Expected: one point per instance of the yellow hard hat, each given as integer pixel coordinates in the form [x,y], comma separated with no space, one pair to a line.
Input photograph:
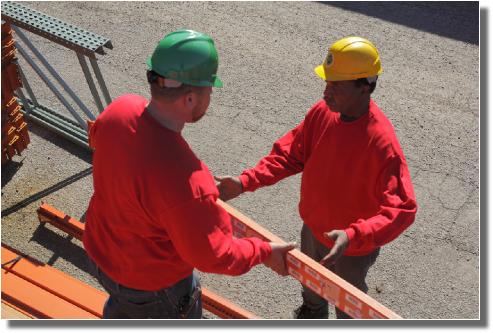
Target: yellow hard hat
[350,58]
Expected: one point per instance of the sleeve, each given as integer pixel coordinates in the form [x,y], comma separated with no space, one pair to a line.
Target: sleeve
[285,159]
[398,207]
[201,233]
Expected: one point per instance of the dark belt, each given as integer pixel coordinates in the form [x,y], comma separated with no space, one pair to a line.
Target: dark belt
[185,303]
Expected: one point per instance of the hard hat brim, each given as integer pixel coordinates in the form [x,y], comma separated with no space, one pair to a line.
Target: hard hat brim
[319,70]
[217,83]
[149,63]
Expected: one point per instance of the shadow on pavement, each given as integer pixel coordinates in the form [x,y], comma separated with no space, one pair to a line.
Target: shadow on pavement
[62,247]
[61,142]
[456,20]
[9,170]
[45,192]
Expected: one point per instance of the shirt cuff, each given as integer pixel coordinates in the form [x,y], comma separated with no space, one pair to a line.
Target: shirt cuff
[351,234]
[265,251]
[245,182]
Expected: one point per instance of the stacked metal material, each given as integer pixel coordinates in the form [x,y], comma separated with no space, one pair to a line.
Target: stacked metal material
[15,136]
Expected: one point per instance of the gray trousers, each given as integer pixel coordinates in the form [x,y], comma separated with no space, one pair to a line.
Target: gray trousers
[353,269]
[173,302]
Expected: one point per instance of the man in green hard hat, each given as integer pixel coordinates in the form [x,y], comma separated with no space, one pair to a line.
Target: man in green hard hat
[153,217]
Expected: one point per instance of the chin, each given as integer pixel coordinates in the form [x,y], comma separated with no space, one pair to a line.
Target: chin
[195,119]
[331,106]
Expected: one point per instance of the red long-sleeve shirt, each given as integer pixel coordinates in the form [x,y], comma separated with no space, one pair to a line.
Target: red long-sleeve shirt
[153,216]
[355,177]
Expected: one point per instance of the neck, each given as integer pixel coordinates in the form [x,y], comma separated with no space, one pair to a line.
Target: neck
[356,112]
[166,115]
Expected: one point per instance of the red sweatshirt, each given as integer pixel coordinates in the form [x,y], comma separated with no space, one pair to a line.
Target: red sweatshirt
[153,216]
[355,177]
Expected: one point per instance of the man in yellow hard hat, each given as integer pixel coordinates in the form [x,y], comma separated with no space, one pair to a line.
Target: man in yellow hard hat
[356,191]
[153,217]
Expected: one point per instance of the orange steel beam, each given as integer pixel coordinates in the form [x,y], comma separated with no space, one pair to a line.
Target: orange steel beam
[48,214]
[310,273]
[37,301]
[224,308]
[212,302]
[10,311]
[61,288]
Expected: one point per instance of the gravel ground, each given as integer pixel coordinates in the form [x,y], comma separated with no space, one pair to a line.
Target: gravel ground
[267,50]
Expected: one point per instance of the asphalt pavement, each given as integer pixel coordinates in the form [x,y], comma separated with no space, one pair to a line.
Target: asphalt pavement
[267,51]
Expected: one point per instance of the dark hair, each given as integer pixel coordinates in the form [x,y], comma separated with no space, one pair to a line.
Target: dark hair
[167,92]
[364,81]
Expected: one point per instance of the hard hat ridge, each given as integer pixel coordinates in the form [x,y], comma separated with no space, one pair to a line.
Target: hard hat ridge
[350,58]
[186,56]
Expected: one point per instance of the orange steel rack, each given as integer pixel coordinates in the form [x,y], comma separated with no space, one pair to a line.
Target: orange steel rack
[310,273]
[41,291]
[15,136]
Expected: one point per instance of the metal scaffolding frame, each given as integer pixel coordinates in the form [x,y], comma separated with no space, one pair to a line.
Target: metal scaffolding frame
[85,44]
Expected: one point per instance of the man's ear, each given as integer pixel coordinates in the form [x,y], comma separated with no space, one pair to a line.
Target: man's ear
[190,99]
[160,82]
[366,89]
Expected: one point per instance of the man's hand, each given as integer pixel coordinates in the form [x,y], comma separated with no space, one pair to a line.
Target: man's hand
[341,242]
[229,187]
[277,259]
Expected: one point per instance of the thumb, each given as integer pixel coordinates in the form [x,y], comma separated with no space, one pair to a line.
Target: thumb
[331,235]
[289,246]
[219,178]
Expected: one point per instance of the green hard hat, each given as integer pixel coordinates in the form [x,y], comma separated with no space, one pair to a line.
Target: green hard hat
[186,56]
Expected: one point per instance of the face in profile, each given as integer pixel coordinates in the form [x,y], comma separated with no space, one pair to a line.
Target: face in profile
[341,96]
[203,101]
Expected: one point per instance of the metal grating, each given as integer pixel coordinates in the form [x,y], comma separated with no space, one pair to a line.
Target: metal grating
[70,36]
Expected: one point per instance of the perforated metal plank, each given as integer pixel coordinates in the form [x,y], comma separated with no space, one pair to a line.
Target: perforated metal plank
[68,35]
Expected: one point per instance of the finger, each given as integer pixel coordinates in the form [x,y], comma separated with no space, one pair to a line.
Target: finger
[219,178]
[330,258]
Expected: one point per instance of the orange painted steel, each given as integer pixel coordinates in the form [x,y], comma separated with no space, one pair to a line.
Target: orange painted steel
[224,308]
[32,288]
[310,273]
[48,214]
[90,124]
[88,300]
[37,301]
[212,302]
[325,283]
[10,311]
[13,142]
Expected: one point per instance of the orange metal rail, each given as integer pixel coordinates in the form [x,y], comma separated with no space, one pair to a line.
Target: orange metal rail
[11,312]
[212,302]
[41,291]
[310,273]
[313,275]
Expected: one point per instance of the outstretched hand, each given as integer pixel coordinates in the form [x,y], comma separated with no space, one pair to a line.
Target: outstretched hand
[229,187]
[341,242]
